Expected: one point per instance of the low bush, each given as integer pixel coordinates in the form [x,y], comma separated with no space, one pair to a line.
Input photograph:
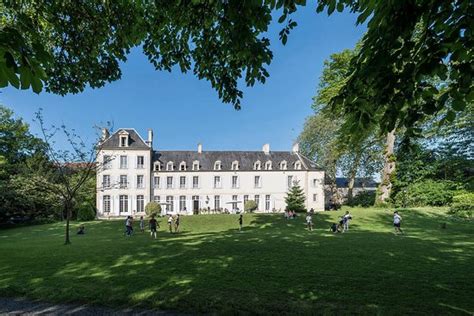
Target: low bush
[462,205]
[363,198]
[426,193]
[153,208]
[85,212]
[250,206]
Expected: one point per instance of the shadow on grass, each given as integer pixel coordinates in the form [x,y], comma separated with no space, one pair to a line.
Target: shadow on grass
[274,266]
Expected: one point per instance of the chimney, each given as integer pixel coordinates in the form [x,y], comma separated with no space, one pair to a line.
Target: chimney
[266,149]
[199,148]
[149,141]
[296,148]
[105,133]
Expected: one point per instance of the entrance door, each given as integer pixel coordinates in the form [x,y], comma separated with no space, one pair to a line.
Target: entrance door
[196,206]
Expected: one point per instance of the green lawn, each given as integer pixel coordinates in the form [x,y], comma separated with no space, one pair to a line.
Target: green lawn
[274,266]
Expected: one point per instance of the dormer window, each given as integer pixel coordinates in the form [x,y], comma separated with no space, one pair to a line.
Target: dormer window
[298,165]
[235,165]
[123,139]
[268,165]
[218,165]
[196,165]
[157,166]
[257,165]
[283,165]
[182,166]
[169,166]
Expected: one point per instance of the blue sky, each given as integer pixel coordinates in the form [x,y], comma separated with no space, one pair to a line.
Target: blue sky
[184,111]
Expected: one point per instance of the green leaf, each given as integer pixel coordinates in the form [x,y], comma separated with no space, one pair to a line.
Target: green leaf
[340,7]
[36,84]
[282,18]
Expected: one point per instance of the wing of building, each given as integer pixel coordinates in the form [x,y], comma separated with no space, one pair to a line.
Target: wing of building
[131,174]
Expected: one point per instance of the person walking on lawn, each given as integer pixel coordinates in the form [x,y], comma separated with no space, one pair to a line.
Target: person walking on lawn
[397,219]
[153,225]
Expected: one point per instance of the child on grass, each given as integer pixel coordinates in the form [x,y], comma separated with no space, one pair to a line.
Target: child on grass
[397,219]
[153,224]
[142,224]
[241,222]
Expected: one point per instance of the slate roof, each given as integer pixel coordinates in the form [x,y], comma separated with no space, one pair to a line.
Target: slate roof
[358,183]
[246,159]
[135,141]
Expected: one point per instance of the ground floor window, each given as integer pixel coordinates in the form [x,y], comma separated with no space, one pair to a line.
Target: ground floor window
[140,203]
[267,202]
[182,203]
[106,204]
[217,202]
[257,201]
[123,205]
[169,203]
[234,202]
[246,198]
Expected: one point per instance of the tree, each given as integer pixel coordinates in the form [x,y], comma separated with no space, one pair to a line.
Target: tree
[71,168]
[250,206]
[152,208]
[295,199]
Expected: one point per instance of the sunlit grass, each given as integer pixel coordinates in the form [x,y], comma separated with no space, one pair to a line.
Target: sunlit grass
[274,266]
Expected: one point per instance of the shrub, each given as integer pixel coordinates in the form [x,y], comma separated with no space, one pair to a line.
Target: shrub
[250,206]
[426,193]
[153,208]
[462,205]
[85,212]
[363,198]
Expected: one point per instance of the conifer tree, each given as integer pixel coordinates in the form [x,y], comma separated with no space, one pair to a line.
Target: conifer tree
[295,198]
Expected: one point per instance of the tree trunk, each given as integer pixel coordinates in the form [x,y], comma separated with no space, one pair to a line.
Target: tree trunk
[389,168]
[352,176]
[68,216]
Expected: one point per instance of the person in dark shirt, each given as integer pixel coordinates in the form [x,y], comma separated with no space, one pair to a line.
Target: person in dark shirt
[176,224]
[81,230]
[241,222]
[153,224]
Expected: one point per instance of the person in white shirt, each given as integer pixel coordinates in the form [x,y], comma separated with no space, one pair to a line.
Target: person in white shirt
[345,220]
[309,222]
[397,219]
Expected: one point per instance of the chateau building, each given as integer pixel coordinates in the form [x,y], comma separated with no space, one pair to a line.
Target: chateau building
[131,174]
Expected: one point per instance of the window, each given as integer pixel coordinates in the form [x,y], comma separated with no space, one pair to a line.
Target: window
[235,165]
[140,162]
[157,199]
[217,182]
[123,182]
[196,165]
[156,182]
[169,166]
[157,166]
[106,181]
[283,165]
[268,165]
[106,204]
[298,165]
[315,183]
[257,200]
[235,182]
[140,183]
[182,182]
[315,197]
[234,202]
[195,182]
[123,203]
[169,203]
[140,203]
[217,202]
[267,202]
[182,203]
[257,182]
[182,166]
[107,162]
[218,165]
[290,181]
[123,141]
[169,182]
[257,165]
[123,162]
[246,198]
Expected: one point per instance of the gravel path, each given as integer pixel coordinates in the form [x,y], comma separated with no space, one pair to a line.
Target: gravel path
[22,306]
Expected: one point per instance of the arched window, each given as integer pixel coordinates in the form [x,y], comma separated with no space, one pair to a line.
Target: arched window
[235,165]
[298,165]
[283,165]
[182,166]
[157,166]
[217,165]
[268,165]
[257,165]
[169,166]
[196,165]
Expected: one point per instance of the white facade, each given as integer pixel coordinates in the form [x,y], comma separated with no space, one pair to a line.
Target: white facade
[197,181]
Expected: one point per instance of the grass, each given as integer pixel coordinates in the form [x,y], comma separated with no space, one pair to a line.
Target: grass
[274,266]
